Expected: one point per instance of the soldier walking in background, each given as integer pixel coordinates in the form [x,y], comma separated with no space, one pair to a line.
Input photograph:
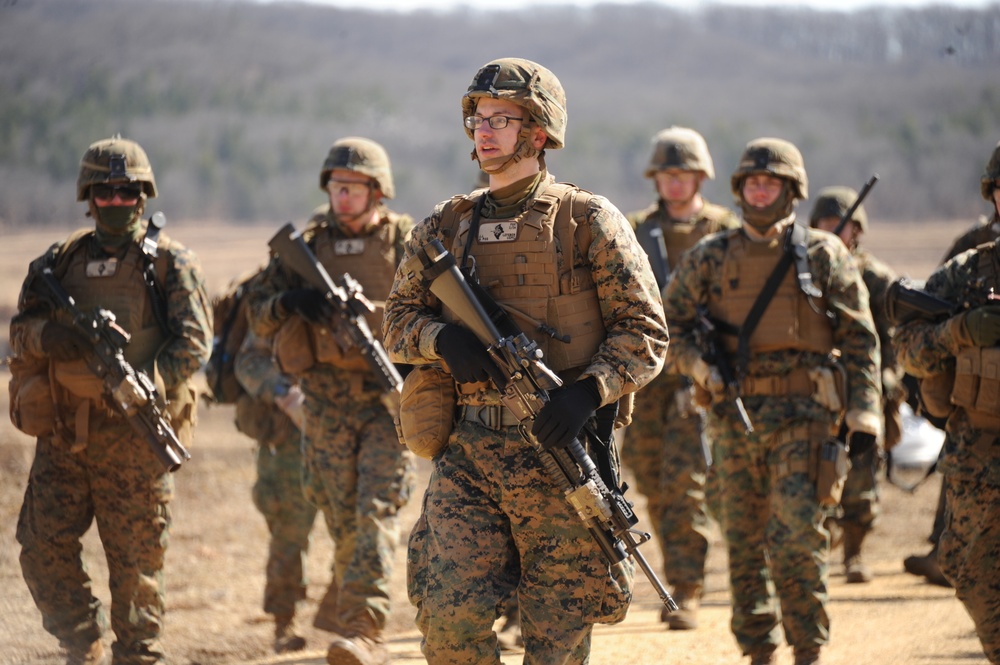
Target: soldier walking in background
[810,364]
[272,413]
[860,501]
[356,471]
[967,345]
[90,464]
[665,448]
[493,521]
[987,229]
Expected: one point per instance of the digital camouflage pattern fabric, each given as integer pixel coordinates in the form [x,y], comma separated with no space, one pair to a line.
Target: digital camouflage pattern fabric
[968,548]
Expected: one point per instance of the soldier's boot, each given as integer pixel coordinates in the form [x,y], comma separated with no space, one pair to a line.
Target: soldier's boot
[86,654]
[857,571]
[926,566]
[286,637]
[326,613]
[808,656]
[361,644]
[763,655]
[685,617]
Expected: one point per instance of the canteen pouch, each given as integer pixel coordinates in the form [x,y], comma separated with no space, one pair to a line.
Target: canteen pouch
[426,410]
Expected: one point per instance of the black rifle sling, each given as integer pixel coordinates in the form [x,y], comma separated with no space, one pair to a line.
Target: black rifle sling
[795,250]
[150,253]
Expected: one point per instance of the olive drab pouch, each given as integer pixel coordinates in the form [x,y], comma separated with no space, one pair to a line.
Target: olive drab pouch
[426,410]
[830,466]
[32,408]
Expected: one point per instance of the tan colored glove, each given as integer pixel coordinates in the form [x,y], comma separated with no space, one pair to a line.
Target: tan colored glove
[864,429]
[708,377]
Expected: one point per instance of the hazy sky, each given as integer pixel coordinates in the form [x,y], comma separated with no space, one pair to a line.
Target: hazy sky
[405,5]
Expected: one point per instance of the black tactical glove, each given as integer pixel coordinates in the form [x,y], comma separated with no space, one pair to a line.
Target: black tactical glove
[859,443]
[466,356]
[983,325]
[63,343]
[310,304]
[565,414]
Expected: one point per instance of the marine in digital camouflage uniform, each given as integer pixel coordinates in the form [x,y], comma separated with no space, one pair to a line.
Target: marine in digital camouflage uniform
[492,520]
[664,446]
[771,511]
[356,471]
[93,465]
[271,412]
[985,230]
[860,501]
[968,551]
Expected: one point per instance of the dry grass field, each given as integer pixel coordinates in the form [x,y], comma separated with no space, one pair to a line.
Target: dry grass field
[218,544]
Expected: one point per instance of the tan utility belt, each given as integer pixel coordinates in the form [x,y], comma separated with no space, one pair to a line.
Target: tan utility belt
[490,416]
[796,382]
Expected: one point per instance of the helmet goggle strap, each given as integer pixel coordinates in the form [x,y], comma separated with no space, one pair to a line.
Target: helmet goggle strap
[523,150]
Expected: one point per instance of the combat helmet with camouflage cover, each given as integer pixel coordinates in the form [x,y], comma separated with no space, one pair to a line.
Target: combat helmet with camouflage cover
[991,174]
[362,156]
[680,148]
[772,156]
[114,160]
[835,202]
[527,84]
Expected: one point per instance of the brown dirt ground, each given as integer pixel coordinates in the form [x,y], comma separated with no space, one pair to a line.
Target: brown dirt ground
[217,552]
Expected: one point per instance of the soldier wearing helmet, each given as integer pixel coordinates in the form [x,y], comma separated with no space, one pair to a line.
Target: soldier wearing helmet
[356,471]
[665,447]
[90,464]
[781,311]
[860,502]
[493,523]
[963,350]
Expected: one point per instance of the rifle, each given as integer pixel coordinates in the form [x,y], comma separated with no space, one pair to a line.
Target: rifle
[905,301]
[708,338]
[846,217]
[129,392]
[348,300]
[650,237]
[597,499]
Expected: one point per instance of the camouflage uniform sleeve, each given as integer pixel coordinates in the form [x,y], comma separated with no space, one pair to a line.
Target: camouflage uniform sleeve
[877,277]
[264,313]
[256,369]
[33,312]
[924,348]
[854,330]
[632,353]
[189,317]
[412,318]
[690,286]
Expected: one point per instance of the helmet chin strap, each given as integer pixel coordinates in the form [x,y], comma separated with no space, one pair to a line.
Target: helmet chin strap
[523,150]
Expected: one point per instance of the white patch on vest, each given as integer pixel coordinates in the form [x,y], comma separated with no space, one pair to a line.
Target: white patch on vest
[105,268]
[349,247]
[498,232]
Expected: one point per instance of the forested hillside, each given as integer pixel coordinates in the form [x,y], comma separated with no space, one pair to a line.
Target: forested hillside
[238,102]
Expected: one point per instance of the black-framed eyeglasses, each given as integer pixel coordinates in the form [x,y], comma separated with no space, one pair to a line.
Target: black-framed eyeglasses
[349,187]
[127,191]
[474,122]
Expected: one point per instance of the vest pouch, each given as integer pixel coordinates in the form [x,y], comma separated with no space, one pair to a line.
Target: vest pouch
[253,418]
[32,410]
[577,316]
[935,393]
[968,367]
[328,350]
[988,398]
[76,377]
[293,347]
[831,467]
[426,410]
